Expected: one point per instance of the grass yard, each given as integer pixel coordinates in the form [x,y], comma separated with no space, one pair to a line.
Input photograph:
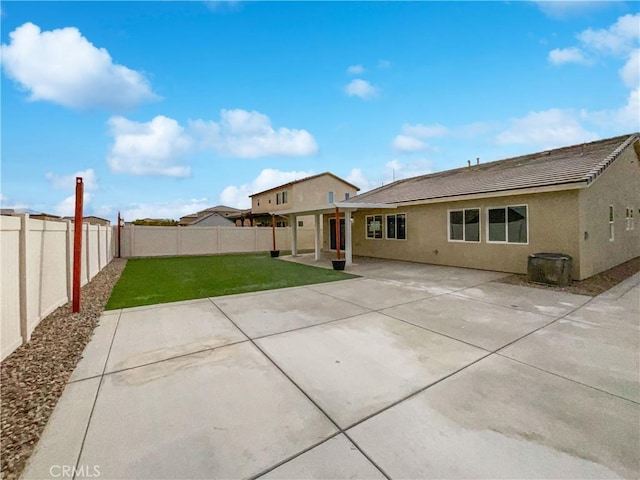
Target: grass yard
[146,281]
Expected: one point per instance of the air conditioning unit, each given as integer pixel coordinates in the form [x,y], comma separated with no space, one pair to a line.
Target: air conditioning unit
[550,269]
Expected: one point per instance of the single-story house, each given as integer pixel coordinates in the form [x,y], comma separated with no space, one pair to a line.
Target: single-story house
[582,200]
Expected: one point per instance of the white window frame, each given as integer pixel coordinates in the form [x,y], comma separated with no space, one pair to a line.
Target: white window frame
[386,224]
[629,219]
[330,197]
[506,224]
[278,198]
[464,240]
[611,212]
[366,228]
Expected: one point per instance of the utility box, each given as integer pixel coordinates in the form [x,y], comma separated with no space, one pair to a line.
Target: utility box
[550,269]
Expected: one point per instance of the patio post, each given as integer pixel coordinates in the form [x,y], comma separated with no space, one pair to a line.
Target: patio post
[337,233]
[318,220]
[347,237]
[273,231]
[294,235]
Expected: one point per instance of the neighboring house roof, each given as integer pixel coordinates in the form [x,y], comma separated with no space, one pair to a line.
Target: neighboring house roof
[567,166]
[222,210]
[213,219]
[306,179]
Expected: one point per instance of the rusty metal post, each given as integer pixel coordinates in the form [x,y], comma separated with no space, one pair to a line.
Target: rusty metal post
[338,232]
[77,245]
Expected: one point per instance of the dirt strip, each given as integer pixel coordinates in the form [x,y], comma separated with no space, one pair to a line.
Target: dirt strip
[33,377]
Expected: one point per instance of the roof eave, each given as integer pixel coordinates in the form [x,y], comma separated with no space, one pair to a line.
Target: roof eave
[500,193]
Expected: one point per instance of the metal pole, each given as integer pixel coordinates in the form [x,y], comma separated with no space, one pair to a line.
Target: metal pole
[77,245]
[338,232]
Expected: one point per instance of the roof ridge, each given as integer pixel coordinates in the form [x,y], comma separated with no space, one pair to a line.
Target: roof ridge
[592,174]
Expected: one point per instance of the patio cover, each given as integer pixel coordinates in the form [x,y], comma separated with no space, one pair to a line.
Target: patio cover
[327,209]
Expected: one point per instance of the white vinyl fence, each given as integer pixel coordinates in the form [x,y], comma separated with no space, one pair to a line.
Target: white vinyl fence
[36,271]
[143,241]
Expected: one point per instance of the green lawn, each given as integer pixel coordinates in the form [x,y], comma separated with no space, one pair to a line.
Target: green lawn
[146,281]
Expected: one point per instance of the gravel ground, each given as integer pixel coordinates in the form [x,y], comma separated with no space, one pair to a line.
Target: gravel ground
[34,376]
[592,286]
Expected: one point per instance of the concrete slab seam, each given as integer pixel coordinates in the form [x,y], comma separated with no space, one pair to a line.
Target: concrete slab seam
[95,398]
[543,326]
[434,331]
[313,402]
[173,357]
[567,378]
[413,394]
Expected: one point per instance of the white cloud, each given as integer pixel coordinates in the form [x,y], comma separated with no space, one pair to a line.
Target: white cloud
[67,207]
[68,182]
[618,39]
[546,129]
[161,146]
[238,195]
[357,177]
[410,140]
[384,64]
[244,134]
[408,144]
[630,72]
[355,70]
[397,170]
[625,118]
[63,67]
[560,56]
[157,147]
[6,202]
[361,88]
[172,209]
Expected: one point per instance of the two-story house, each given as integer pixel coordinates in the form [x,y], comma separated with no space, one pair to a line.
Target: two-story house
[322,189]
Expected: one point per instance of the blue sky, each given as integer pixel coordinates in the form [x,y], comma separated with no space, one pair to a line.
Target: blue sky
[169,108]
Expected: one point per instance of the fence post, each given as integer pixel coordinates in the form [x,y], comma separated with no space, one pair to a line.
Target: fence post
[99,258]
[87,231]
[69,264]
[24,293]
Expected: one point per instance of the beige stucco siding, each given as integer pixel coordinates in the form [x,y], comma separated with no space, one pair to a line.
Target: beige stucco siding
[308,193]
[618,185]
[552,223]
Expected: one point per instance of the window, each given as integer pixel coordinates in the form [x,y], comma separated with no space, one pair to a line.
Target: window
[285,197]
[281,198]
[611,229]
[300,223]
[397,226]
[346,196]
[374,226]
[629,219]
[464,225]
[330,197]
[508,224]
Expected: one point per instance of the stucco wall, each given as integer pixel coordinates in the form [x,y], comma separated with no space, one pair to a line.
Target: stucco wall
[618,185]
[552,222]
[308,193]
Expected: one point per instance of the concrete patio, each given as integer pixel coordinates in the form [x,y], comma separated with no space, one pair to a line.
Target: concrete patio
[412,371]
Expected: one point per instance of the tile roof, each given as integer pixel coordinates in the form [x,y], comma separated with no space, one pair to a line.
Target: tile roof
[305,179]
[562,166]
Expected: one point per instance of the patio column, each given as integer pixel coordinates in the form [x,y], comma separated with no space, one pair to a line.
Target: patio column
[318,243]
[294,235]
[347,237]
